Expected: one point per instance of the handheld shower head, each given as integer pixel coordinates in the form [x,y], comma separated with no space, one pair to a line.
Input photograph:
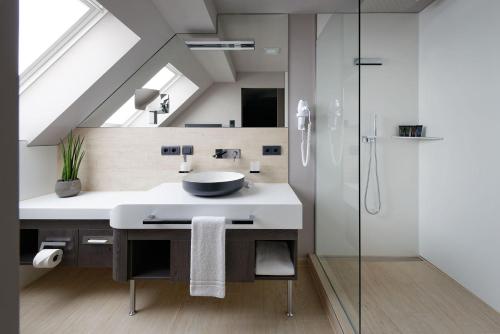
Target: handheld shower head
[372,140]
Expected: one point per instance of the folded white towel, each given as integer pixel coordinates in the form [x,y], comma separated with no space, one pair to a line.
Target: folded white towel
[208,257]
[273,259]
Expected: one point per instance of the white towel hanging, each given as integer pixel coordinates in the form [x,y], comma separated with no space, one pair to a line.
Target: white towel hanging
[208,256]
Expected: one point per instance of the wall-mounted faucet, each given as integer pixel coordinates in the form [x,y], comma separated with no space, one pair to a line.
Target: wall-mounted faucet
[219,153]
[227,153]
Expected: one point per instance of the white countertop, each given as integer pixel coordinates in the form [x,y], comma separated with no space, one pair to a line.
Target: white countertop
[98,205]
[87,205]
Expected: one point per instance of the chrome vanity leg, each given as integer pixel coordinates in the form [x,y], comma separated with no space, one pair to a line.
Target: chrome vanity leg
[289,312]
[132,298]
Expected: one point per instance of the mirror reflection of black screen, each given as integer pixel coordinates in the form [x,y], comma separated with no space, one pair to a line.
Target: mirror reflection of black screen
[262,107]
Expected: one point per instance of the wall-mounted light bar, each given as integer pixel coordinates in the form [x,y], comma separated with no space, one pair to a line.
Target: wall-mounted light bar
[221,45]
[368,61]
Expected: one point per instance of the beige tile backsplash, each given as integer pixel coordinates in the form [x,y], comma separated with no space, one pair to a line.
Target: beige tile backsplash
[130,159]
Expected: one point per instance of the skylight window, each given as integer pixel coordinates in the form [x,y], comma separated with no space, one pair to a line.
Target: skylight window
[122,115]
[160,80]
[127,113]
[48,27]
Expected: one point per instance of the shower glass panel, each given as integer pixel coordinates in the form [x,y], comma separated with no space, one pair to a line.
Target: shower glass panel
[337,130]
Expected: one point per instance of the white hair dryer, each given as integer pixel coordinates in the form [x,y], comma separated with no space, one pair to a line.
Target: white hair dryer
[303,113]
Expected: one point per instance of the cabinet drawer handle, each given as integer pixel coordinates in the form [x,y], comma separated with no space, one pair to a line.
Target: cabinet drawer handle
[97,240]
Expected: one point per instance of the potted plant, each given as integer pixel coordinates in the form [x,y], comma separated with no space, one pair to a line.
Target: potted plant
[72,154]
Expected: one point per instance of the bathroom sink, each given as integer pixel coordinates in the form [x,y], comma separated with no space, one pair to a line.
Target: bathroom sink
[211,184]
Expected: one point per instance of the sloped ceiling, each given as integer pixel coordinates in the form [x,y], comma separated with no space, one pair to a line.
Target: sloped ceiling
[196,15]
[153,31]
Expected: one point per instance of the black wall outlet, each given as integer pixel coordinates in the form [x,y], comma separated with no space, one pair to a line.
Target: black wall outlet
[271,150]
[170,150]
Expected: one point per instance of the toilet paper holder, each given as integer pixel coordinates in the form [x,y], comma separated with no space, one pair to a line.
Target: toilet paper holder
[52,244]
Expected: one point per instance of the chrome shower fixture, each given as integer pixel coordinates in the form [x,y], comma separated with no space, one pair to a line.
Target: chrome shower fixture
[372,140]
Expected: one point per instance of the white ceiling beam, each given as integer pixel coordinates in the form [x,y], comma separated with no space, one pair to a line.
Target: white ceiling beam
[189,16]
[142,17]
[217,63]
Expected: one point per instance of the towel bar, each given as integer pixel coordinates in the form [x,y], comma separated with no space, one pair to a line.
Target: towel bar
[152,220]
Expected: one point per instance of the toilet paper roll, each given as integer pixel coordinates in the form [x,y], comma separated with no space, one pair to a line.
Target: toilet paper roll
[47,258]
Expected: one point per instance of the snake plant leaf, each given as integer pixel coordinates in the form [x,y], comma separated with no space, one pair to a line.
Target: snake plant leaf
[72,155]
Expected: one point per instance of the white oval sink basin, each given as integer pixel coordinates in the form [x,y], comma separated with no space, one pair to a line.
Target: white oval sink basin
[211,184]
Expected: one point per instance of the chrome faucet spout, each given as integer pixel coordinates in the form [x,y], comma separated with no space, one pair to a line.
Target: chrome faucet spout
[219,154]
[227,153]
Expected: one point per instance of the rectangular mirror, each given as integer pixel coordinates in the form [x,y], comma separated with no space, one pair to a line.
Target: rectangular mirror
[234,78]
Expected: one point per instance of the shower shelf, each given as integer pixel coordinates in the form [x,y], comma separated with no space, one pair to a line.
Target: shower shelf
[419,138]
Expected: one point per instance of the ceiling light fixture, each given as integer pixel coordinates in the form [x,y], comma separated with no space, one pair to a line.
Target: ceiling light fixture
[221,45]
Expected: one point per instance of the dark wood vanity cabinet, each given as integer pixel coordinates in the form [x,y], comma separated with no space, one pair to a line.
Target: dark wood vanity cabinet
[145,254]
[240,260]
[95,247]
[88,242]
[165,254]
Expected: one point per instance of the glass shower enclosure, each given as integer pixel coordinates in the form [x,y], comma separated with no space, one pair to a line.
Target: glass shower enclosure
[337,154]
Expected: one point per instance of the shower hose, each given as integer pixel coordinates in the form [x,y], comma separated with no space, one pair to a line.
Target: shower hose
[373,154]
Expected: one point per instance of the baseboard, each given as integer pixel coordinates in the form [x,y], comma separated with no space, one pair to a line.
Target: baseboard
[336,315]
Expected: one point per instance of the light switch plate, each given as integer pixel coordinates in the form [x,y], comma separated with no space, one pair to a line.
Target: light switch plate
[187,150]
[271,150]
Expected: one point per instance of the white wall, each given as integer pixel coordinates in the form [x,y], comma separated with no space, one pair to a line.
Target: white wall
[37,176]
[37,170]
[460,176]
[222,101]
[72,74]
[390,91]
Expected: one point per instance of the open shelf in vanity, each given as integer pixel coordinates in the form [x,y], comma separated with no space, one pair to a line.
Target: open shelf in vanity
[28,245]
[149,259]
[165,254]
[287,258]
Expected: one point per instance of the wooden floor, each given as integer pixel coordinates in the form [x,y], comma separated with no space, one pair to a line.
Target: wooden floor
[410,297]
[89,301]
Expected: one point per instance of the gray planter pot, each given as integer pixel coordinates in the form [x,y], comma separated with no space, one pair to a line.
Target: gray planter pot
[68,188]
